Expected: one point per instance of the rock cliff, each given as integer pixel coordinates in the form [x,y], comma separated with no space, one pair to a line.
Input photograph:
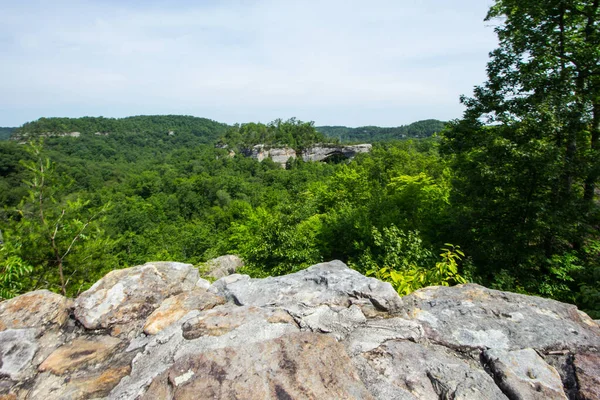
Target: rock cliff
[159,331]
[318,152]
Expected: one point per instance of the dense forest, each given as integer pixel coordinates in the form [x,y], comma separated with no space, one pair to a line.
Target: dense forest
[6,132]
[370,134]
[506,196]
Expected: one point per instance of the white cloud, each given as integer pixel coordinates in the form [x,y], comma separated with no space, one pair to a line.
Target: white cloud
[243,60]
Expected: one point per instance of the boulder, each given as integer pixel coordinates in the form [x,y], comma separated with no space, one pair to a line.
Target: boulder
[474,317]
[331,283]
[39,309]
[219,267]
[129,295]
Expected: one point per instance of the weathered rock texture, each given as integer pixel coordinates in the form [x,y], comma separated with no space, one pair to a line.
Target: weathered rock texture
[318,152]
[322,152]
[222,266]
[157,331]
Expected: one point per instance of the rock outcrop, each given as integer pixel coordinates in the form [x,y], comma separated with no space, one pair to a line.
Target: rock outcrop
[222,266]
[318,152]
[158,331]
[323,152]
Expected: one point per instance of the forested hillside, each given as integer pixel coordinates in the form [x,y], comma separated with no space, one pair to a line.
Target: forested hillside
[291,133]
[370,134]
[184,128]
[5,133]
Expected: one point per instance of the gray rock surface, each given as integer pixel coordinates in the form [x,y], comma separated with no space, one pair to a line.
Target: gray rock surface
[331,283]
[279,155]
[293,366]
[318,152]
[327,332]
[407,370]
[472,316]
[17,349]
[219,267]
[128,295]
[322,152]
[524,374]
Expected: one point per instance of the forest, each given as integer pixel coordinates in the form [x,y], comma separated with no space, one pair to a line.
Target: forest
[370,134]
[5,133]
[505,196]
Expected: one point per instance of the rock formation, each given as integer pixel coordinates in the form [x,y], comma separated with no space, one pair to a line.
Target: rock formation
[322,152]
[158,331]
[318,152]
[221,266]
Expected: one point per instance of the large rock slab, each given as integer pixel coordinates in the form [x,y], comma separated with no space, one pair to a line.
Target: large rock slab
[331,283]
[406,370]
[39,309]
[129,295]
[323,152]
[294,366]
[523,374]
[472,316]
[197,333]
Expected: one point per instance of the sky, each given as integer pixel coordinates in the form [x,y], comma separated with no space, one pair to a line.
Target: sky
[335,62]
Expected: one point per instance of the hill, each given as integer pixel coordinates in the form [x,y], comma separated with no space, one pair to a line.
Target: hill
[6,132]
[419,129]
[149,125]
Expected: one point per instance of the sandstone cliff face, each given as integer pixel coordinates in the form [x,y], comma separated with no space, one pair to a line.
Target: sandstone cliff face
[319,152]
[158,331]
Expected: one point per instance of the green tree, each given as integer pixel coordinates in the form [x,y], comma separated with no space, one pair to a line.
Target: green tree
[58,237]
[525,155]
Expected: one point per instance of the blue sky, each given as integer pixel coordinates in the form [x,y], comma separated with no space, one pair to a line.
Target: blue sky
[335,62]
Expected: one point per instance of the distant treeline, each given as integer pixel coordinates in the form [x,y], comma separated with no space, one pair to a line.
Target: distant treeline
[420,129]
[143,124]
[291,133]
[279,132]
[6,132]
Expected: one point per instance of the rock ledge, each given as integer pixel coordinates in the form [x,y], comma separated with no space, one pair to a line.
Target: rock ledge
[158,331]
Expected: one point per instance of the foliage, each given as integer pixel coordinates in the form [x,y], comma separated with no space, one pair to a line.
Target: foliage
[525,155]
[58,237]
[13,271]
[5,133]
[291,133]
[401,259]
[370,134]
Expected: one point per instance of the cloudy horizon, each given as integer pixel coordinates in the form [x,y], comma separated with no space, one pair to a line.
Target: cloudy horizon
[385,63]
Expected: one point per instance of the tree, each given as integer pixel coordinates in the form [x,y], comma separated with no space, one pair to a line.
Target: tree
[525,154]
[53,234]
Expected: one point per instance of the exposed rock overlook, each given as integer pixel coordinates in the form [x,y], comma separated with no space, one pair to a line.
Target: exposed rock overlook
[318,152]
[159,331]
